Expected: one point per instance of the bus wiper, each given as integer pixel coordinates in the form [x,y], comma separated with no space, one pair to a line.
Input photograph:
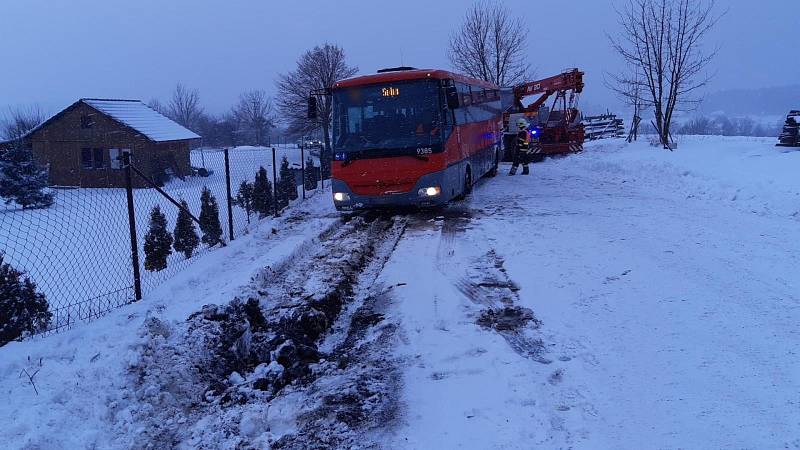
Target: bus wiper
[419,157]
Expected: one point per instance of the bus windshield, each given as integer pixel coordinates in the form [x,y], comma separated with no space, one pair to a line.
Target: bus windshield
[397,115]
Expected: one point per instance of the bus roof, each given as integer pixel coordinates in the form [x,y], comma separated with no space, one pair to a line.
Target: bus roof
[404,75]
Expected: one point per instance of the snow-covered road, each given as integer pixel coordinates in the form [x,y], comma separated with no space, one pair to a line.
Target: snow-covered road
[669,320]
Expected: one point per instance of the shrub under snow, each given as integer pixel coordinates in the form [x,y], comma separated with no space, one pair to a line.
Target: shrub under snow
[23,310]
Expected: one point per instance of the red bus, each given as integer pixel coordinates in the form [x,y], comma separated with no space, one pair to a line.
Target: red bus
[411,137]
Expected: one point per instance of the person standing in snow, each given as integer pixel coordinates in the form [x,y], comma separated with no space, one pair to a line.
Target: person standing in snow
[524,146]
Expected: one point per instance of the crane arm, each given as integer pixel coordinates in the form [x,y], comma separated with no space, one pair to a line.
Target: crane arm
[569,80]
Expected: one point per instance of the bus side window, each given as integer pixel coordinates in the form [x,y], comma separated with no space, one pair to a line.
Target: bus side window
[466,94]
[487,107]
[458,113]
[463,115]
[481,95]
[477,104]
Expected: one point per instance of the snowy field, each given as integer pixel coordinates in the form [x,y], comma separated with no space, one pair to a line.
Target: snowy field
[78,251]
[658,296]
[668,289]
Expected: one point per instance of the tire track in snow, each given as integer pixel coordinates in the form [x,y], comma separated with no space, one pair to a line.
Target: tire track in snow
[225,377]
[487,283]
[466,385]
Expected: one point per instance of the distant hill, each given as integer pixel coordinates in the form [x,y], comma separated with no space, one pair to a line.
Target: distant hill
[772,101]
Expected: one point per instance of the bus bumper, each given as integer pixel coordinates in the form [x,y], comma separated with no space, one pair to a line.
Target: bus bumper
[416,197]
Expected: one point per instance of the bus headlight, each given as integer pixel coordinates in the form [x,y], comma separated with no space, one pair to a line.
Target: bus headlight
[341,196]
[432,191]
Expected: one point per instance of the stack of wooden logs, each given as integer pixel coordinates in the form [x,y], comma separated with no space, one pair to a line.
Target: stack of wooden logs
[790,136]
[604,126]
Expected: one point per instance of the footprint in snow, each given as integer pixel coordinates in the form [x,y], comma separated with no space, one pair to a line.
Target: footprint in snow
[556,377]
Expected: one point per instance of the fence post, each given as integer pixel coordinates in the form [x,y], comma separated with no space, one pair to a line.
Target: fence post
[303,168]
[274,184]
[230,197]
[137,278]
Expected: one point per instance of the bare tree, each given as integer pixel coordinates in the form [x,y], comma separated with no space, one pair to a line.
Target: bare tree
[490,45]
[19,121]
[317,69]
[662,40]
[631,94]
[184,107]
[254,113]
[156,105]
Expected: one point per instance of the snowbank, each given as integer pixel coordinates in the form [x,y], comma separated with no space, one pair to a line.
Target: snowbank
[746,173]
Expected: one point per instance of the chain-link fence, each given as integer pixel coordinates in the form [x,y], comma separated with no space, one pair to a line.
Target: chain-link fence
[79,250]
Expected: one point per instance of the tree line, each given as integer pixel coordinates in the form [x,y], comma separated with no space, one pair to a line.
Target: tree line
[258,119]
[722,125]
[252,120]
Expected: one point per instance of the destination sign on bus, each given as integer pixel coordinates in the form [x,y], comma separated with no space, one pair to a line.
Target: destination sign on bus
[390,92]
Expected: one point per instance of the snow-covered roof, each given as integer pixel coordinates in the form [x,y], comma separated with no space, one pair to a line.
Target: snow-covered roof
[142,118]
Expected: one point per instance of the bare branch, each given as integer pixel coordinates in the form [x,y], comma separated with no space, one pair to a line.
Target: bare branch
[30,378]
[490,45]
[184,107]
[159,107]
[19,121]
[661,41]
[318,68]
[254,112]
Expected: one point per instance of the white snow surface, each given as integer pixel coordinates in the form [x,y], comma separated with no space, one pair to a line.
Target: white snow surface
[83,370]
[667,285]
[142,118]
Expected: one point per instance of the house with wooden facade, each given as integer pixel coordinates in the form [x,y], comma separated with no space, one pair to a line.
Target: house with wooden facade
[82,145]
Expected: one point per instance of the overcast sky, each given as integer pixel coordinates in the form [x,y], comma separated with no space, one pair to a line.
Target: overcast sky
[56,51]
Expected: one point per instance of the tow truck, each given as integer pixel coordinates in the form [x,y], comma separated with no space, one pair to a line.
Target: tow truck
[560,127]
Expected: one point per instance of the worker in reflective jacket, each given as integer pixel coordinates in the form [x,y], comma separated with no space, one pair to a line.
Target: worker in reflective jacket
[524,147]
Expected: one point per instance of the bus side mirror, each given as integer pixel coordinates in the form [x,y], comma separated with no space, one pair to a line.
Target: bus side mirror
[312,107]
[452,97]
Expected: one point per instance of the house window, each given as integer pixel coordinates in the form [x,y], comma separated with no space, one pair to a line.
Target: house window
[87,121]
[92,158]
[86,158]
[98,158]
[115,157]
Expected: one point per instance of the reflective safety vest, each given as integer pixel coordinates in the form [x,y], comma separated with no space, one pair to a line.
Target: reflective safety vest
[523,141]
[527,143]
